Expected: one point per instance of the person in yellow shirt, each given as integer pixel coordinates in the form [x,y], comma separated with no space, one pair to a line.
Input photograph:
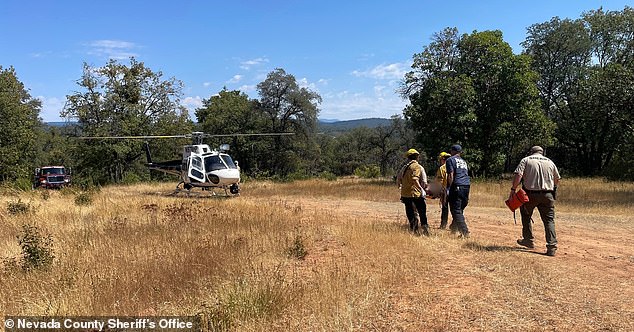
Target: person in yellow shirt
[413,181]
[441,177]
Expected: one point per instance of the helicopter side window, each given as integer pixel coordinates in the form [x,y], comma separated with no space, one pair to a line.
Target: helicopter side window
[213,163]
[228,161]
[196,170]
[197,163]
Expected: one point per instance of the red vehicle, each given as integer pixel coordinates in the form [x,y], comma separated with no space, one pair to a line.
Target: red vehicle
[51,177]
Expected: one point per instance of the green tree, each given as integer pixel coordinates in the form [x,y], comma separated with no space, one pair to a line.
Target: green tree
[388,144]
[121,100]
[232,112]
[351,150]
[474,91]
[585,84]
[19,127]
[289,108]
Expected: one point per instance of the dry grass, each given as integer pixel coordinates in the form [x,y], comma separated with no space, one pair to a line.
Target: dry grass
[237,262]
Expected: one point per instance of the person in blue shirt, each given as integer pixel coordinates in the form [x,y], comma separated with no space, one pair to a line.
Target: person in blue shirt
[458,182]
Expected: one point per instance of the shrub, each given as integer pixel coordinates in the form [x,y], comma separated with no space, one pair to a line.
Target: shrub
[23,184]
[131,178]
[18,207]
[45,194]
[297,248]
[296,176]
[37,248]
[328,176]
[368,172]
[83,198]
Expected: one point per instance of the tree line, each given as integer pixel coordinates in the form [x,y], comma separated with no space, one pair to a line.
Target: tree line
[569,90]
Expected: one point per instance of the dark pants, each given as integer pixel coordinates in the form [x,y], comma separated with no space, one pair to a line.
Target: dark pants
[545,204]
[415,209]
[458,201]
[444,212]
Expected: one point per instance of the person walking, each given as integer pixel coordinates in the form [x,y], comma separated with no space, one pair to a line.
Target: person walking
[413,181]
[539,177]
[441,178]
[458,182]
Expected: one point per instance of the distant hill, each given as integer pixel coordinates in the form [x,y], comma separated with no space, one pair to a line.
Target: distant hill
[60,124]
[325,125]
[330,126]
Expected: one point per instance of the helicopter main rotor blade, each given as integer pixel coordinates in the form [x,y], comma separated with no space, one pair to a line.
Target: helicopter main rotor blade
[135,137]
[258,134]
[197,136]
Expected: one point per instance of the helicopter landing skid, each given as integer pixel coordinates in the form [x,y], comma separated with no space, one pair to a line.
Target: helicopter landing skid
[188,190]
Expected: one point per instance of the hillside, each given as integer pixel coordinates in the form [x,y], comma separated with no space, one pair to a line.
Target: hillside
[322,125]
[342,126]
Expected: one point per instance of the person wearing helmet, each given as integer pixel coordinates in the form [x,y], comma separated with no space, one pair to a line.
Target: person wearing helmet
[413,180]
[458,182]
[441,177]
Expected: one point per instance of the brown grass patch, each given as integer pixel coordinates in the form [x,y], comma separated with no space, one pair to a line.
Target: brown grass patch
[236,262]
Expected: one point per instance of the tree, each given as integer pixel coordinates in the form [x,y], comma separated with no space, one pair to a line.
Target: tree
[122,100]
[232,112]
[289,108]
[585,67]
[474,91]
[388,143]
[19,127]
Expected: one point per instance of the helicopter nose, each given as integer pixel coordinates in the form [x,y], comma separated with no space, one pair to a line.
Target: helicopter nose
[224,176]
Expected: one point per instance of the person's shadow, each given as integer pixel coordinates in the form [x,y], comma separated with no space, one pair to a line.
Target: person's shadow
[479,247]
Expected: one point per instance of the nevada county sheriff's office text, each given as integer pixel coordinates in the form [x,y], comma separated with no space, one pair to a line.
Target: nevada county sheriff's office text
[100,325]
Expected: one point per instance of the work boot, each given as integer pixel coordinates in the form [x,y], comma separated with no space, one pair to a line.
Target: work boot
[551,252]
[526,243]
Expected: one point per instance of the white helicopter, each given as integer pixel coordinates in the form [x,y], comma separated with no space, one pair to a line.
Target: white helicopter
[200,166]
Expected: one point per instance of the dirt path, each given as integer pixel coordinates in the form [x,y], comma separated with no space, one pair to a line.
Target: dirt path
[593,269]
[584,240]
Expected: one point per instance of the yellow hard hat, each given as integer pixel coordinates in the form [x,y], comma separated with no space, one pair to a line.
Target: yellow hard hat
[411,152]
[443,155]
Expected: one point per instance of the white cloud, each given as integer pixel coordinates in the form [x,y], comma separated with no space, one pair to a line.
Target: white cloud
[381,101]
[393,71]
[351,106]
[235,79]
[112,49]
[246,65]
[207,84]
[40,54]
[191,103]
[304,83]
[51,107]
[247,88]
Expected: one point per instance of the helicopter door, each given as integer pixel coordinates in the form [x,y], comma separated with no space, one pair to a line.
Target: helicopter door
[196,168]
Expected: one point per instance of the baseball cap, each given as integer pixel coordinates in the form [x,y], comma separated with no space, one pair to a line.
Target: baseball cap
[456,148]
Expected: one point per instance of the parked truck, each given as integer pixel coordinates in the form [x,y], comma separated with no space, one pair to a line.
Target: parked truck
[51,177]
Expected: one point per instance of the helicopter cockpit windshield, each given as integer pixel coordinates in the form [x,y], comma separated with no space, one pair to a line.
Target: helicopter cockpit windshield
[228,161]
[218,162]
[213,163]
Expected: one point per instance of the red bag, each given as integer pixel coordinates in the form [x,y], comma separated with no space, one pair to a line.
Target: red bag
[518,199]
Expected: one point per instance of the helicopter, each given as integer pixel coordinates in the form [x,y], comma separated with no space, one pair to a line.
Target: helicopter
[200,166]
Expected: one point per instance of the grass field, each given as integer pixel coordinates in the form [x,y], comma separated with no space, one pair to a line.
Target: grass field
[318,255]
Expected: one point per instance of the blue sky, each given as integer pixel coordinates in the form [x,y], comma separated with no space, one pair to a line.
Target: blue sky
[353,53]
